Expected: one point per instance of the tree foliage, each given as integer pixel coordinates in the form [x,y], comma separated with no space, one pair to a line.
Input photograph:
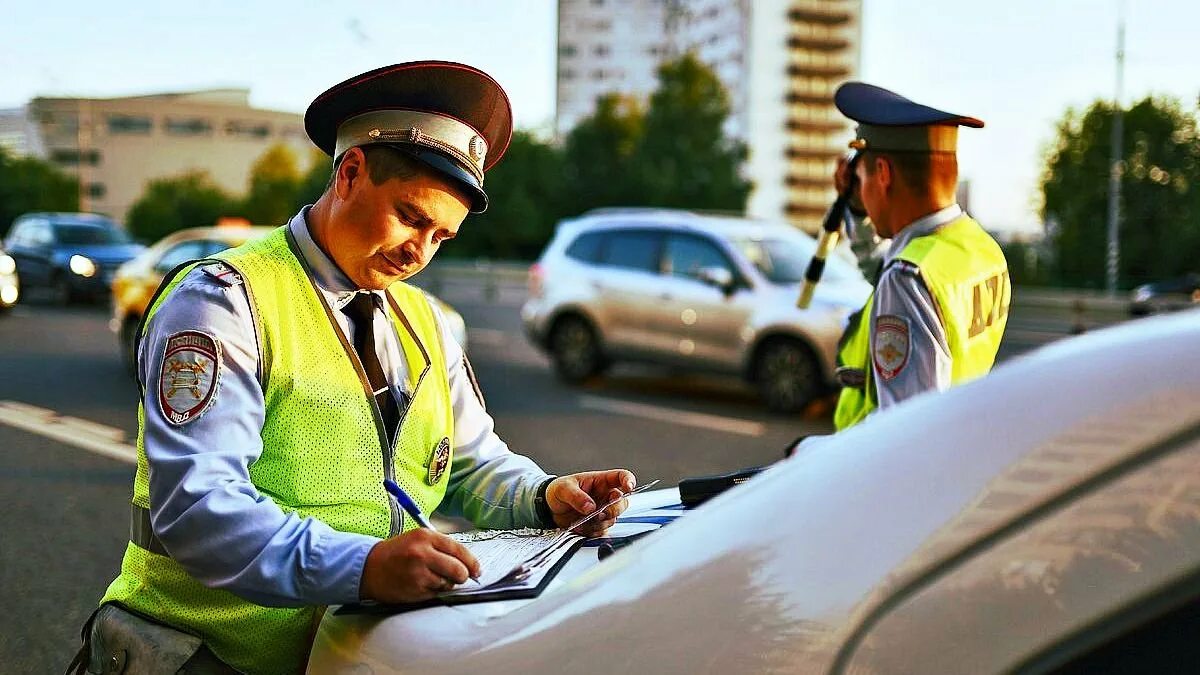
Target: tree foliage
[1160,194]
[171,204]
[274,186]
[526,197]
[29,184]
[684,159]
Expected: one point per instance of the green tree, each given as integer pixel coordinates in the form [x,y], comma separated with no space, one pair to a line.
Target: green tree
[171,204]
[525,194]
[1160,223]
[28,184]
[312,184]
[598,155]
[684,158]
[275,181]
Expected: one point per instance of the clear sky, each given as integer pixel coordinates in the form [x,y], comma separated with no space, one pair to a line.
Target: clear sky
[1017,64]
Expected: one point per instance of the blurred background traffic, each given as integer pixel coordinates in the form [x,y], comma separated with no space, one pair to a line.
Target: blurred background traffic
[629,297]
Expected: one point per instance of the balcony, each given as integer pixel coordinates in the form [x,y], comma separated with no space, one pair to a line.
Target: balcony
[821,126]
[798,152]
[809,98]
[821,183]
[818,43]
[825,14]
[829,70]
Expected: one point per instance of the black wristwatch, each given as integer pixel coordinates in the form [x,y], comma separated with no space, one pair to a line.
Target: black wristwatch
[543,508]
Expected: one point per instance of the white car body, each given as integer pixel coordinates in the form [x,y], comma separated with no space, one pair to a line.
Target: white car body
[1017,523]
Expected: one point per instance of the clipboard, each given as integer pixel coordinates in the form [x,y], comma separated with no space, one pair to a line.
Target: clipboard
[499,593]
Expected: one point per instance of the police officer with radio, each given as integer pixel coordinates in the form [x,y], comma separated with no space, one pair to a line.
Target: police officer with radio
[942,293]
[286,379]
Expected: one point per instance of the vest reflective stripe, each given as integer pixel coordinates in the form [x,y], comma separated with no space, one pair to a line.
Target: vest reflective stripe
[323,452]
[966,273]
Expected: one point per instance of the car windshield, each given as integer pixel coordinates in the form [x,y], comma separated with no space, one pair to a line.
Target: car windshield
[783,261]
[70,233]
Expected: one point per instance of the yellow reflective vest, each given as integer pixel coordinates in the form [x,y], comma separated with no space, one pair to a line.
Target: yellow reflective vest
[966,273]
[324,452]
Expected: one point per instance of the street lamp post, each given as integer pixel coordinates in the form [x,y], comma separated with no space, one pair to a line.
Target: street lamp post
[1114,174]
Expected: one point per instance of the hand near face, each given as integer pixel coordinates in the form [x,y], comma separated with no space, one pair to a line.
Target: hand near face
[577,495]
[842,176]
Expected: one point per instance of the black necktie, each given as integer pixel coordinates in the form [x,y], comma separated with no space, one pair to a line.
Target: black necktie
[361,310]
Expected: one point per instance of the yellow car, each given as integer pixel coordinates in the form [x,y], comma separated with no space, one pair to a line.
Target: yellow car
[135,281]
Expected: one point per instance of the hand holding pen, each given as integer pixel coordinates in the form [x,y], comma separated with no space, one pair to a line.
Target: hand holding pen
[416,565]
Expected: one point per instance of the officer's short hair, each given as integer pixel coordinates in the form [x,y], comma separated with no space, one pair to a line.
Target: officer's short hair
[383,164]
[920,171]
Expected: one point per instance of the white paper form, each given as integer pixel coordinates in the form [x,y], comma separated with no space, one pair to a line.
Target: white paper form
[499,551]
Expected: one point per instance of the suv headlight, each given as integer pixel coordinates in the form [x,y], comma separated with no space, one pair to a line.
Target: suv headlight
[1141,294]
[7,264]
[82,265]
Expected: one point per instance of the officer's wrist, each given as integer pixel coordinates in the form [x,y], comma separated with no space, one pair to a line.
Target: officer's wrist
[544,513]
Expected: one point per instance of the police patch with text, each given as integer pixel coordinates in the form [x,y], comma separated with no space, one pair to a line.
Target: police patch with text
[890,345]
[187,382]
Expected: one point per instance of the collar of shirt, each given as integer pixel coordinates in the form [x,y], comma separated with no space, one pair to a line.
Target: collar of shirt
[921,227]
[330,279]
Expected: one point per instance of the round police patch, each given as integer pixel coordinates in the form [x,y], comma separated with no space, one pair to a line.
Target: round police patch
[439,459]
[890,345]
[187,382]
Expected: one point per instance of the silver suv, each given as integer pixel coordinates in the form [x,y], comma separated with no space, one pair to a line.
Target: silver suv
[701,292]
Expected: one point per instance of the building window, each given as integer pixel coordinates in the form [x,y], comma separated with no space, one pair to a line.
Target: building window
[188,126]
[129,124]
[567,51]
[247,129]
[293,132]
[75,157]
[567,73]
[600,50]
[597,74]
[96,190]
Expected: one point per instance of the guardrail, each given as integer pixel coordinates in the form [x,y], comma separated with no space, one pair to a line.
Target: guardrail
[1037,315]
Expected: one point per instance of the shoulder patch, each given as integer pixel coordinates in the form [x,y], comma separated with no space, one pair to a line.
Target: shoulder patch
[890,345]
[223,273]
[188,377]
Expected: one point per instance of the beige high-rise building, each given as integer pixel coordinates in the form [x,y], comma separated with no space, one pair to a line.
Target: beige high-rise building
[781,61]
[118,145]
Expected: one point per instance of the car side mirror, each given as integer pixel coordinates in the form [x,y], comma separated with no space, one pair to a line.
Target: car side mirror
[719,277]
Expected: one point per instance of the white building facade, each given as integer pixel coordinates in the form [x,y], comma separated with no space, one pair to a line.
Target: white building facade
[780,60]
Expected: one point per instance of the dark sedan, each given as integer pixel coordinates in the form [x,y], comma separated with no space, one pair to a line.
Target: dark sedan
[1166,296]
[74,255]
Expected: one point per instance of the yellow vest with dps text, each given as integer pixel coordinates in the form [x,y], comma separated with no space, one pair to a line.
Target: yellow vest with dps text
[965,272]
[324,452]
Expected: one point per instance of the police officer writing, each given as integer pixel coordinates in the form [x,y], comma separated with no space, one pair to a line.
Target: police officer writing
[941,299]
[285,380]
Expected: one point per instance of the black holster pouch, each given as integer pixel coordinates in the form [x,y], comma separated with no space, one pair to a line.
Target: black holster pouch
[119,641]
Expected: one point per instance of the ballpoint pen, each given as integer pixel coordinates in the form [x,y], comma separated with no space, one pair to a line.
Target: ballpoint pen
[410,507]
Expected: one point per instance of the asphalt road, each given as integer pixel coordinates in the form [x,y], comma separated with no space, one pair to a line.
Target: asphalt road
[68,421]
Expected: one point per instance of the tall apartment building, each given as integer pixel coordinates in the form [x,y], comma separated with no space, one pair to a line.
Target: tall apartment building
[118,145]
[781,61]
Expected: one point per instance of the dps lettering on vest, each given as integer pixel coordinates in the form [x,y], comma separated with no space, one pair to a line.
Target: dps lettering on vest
[967,276]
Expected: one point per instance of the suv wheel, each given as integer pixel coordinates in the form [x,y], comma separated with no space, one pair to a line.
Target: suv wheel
[575,349]
[787,375]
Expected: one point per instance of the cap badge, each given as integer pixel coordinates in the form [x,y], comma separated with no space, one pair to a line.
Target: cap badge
[439,460]
[475,147]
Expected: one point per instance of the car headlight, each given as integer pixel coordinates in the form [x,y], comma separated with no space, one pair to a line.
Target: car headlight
[7,264]
[82,265]
[8,294]
[1141,294]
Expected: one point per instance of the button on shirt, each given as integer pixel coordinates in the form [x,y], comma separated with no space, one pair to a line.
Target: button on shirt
[212,519]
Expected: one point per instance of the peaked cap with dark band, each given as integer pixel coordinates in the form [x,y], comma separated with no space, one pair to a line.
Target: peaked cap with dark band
[454,118]
[889,122]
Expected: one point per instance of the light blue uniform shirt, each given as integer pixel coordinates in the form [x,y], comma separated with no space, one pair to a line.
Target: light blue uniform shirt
[213,520]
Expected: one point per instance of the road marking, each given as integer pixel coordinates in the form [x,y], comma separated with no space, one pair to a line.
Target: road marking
[692,419]
[486,336]
[91,436]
